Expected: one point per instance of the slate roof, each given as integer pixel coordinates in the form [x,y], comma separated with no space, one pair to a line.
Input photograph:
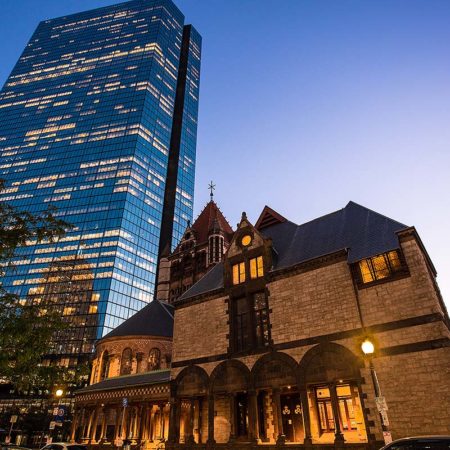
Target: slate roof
[361,231]
[155,319]
[210,217]
[140,379]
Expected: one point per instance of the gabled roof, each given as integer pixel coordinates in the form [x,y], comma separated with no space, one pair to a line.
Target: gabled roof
[155,319]
[268,217]
[128,381]
[211,217]
[355,228]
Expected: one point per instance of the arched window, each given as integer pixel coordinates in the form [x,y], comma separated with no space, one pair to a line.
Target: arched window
[125,363]
[215,249]
[104,368]
[154,359]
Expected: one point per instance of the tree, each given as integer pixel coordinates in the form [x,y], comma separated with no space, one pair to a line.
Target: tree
[26,328]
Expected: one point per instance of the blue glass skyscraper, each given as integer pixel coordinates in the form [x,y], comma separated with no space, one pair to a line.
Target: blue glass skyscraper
[99,119]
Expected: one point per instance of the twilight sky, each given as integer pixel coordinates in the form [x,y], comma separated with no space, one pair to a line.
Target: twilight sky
[307,104]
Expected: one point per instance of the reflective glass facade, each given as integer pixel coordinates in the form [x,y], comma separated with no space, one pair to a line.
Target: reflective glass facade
[90,117]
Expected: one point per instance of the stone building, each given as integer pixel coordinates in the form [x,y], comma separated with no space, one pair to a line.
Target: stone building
[202,246]
[267,345]
[129,388]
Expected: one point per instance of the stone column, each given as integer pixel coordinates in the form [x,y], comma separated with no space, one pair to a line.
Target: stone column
[211,441]
[306,417]
[161,420]
[253,417]
[151,427]
[103,428]
[232,402]
[281,438]
[143,431]
[117,428]
[76,419]
[338,436]
[200,420]
[190,430]
[89,426]
[92,436]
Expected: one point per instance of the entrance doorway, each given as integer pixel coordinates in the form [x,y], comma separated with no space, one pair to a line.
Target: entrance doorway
[292,418]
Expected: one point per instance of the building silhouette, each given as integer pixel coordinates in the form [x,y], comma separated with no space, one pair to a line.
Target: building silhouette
[99,119]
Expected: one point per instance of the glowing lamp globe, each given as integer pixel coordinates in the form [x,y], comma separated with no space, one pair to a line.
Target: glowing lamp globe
[59,393]
[367,347]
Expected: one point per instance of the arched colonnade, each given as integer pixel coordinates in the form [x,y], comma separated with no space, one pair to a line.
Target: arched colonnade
[279,400]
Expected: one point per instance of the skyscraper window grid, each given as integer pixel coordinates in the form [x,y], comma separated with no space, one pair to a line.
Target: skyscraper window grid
[85,125]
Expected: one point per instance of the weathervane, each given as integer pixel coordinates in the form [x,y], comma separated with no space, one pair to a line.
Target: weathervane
[212,188]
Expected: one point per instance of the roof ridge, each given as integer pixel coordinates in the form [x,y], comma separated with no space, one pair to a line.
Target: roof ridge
[165,308]
[375,212]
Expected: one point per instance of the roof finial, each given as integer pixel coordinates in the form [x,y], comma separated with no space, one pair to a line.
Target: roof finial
[211,187]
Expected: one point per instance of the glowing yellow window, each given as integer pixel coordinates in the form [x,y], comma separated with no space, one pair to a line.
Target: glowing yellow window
[256,267]
[380,266]
[239,273]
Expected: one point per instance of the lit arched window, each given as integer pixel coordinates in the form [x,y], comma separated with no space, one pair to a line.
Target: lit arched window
[125,363]
[154,359]
[104,368]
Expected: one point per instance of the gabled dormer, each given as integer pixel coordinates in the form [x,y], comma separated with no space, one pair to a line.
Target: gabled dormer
[249,257]
[246,265]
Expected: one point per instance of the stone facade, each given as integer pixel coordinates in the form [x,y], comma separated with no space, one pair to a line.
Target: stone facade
[319,313]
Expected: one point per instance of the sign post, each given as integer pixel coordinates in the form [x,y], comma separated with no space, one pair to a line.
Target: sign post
[13,420]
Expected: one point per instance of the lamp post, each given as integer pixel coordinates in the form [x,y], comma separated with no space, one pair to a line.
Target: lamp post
[58,394]
[368,348]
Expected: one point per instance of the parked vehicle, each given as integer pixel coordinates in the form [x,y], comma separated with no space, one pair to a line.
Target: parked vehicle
[420,443]
[64,446]
[4,446]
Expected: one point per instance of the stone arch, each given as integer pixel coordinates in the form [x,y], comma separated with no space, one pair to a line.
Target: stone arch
[328,362]
[126,361]
[192,381]
[230,376]
[275,370]
[104,366]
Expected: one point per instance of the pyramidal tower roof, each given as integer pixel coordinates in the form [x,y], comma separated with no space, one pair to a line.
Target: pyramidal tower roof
[211,218]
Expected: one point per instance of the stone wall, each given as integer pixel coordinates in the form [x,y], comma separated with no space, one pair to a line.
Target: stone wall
[201,330]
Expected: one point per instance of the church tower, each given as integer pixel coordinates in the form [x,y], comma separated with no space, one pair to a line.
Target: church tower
[202,246]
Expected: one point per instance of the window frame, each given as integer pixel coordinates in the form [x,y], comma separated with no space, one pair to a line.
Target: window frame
[394,273]
[255,340]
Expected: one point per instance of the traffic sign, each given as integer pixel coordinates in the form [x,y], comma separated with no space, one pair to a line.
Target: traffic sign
[59,413]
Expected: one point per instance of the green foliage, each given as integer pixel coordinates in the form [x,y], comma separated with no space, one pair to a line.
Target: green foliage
[26,328]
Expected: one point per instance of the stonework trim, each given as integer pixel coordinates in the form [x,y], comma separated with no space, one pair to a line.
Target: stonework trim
[415,347]
[397,324]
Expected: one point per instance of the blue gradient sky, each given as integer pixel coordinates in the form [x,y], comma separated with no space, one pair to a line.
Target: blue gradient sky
[307,104]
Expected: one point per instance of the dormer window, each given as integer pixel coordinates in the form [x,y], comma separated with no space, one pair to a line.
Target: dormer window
[256,267]
[239,273]
[380,267]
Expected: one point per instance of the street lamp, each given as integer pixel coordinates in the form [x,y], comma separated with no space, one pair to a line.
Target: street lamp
[368,348]
[59,393]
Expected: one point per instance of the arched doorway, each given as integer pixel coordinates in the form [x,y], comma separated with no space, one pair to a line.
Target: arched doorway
[191,417]
[279,403]
[330,374]
[231,388]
